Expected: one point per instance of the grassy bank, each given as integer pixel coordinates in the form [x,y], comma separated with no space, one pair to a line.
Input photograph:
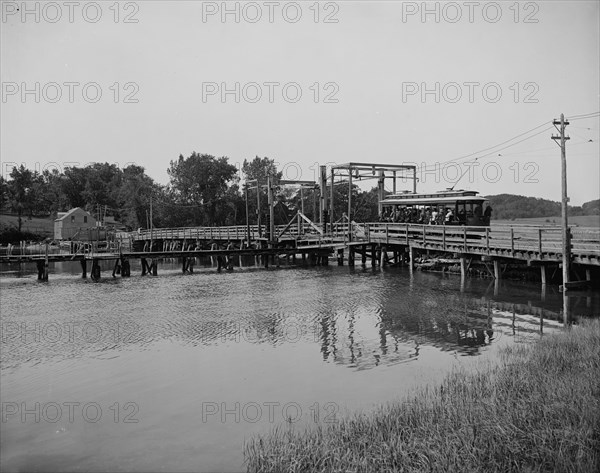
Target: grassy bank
[537,409]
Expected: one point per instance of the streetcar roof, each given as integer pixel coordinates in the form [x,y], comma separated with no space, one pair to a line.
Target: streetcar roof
[444,197]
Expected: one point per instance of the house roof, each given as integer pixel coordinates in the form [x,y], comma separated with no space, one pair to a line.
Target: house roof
[68,214]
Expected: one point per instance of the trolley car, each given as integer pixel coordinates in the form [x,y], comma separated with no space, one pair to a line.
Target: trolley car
[449,207]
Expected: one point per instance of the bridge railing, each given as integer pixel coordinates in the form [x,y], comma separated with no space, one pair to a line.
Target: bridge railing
[513,238]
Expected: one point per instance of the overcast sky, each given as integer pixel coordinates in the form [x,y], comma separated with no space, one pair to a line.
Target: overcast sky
[306,84]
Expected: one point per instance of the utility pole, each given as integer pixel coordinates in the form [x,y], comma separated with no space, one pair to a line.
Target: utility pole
[151,225]
[247,215]
[566,244]
[271,211]
[258,208]
[349,202]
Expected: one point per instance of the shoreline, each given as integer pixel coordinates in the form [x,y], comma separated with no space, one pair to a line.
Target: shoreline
[536,409]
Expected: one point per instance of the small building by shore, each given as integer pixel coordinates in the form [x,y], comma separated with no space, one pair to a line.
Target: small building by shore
[70,223]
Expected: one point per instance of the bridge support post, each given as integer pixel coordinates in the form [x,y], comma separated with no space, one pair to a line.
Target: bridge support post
[497,271]
[350,256]
[42,270]
[125,268]
[412,255]
[95,272]
[340,257]
[154,267]
[116,268]
[543,274]
[364,255]
[143,261]
[83,263]
[463,267]
[382,256]
[373,255]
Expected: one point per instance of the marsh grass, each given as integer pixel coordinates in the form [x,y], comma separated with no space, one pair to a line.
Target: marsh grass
[537,409]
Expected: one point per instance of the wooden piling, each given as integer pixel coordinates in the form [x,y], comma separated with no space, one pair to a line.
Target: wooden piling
[125,268]
[83,263]
[116,269]
[497,270]
[351,256]
[543,273]
[340,257]
[95,273]
[463,267]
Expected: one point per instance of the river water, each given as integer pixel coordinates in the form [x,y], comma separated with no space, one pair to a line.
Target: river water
[175,372]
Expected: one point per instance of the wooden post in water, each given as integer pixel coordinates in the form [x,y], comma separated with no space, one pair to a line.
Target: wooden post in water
[364,255]
[543,274]
[373,255]
[351,256]
[83,263]
[95,273]
[497,271]
[463,267]
[125,268]
[340,257]
[116,268]
[46,264]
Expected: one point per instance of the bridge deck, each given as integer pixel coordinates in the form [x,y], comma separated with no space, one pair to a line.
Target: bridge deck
[519,242]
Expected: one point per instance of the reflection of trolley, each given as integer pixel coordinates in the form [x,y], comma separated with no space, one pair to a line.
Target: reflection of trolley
[466,208]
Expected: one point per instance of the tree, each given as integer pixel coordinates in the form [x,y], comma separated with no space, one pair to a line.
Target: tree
[201,181]
[260,169]
[21,197]
[134,195]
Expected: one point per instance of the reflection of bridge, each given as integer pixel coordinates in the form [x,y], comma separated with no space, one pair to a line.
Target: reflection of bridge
[382,243]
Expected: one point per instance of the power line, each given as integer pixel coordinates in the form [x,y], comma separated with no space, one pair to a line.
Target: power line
[496,146]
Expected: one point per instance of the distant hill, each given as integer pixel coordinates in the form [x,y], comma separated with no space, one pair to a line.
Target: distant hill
[509,206]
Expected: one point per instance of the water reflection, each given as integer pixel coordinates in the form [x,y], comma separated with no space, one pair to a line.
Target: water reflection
[353,337]
[359,318]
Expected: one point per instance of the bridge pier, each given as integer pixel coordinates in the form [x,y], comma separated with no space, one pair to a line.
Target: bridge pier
[351,256]
[412,257]
[95,273]
[116,268]
[340,257]
[497,270]
[543,274]
[125,268]
[364,255]
[83,263]
[42,267]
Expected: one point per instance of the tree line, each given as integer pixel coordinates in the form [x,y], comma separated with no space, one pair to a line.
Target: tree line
[205,190]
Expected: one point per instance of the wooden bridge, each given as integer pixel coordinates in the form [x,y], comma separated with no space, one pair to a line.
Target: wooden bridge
[383,243]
